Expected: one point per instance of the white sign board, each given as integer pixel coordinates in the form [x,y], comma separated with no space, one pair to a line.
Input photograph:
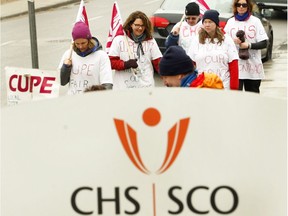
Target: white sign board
[25,84]
[146,152]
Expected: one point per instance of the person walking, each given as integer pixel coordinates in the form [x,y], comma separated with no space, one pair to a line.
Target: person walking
[86,64]
[183,32]
[212,51]
[177,70]
[136,55]
[251,70]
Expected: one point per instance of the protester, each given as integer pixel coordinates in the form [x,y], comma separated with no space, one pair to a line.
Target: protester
[251,70]
[87,64]
[136,55]
[212,51]
[177,70]
[183,32]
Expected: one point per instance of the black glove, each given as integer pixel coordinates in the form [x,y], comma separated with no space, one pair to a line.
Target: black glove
[131,63]
[241,35]
[243,54]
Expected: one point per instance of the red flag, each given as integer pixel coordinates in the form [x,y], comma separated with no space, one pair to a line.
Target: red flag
[203,6]
[116,26]
[82,15]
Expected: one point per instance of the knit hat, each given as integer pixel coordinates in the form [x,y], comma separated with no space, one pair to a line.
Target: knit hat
[175,61]
[192,9]
[81,30]
[212,15]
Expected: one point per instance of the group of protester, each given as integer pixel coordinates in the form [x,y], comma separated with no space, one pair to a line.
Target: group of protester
[206,57]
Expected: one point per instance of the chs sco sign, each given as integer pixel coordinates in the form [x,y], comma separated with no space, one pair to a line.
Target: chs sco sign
[141,153]
[132,195]
[128,138]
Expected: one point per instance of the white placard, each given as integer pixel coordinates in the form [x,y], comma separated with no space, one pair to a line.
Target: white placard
[101,153]
[24,84]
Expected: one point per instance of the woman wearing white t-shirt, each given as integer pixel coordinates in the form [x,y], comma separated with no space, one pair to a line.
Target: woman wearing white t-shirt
[87,64]
[212,51]
[136,55]
[251,70]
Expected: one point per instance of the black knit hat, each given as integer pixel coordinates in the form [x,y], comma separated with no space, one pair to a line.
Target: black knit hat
[192,9]
[212,15]
[175,61]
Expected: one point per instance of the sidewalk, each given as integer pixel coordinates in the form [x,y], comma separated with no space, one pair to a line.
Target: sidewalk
[20,7]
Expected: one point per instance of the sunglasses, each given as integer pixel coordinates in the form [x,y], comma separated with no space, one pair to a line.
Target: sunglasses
[191,18]
[244,5]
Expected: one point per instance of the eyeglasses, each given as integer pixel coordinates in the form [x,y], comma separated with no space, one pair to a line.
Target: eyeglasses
[138,25]
[244,5]
[191,18]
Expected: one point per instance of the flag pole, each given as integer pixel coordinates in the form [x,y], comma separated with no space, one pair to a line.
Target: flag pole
[116,12]
[71,50]
[127,44]
[81,16]
[182,19]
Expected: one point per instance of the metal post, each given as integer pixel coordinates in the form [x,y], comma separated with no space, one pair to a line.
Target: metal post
[33,35]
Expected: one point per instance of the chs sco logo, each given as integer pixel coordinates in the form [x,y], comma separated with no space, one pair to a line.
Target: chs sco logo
[133,194]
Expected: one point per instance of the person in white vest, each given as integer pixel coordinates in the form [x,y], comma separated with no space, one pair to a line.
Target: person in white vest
[183,32]
[212,51]
[136,55]
[86,64]
[251,70]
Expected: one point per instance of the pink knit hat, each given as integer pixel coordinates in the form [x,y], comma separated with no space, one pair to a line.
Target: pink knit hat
[81,30]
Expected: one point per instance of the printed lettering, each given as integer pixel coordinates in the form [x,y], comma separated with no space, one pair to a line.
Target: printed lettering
[24,83]
[114,199]
[213,198]
[215,59]
[46,84]
[176,200]
[132,200]
[74,203]
[235,200]
[84,70]
[251,32]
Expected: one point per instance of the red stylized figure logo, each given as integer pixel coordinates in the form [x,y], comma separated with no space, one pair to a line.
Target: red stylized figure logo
[152,117]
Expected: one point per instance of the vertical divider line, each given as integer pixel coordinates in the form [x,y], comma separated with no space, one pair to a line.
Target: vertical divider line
[154,199]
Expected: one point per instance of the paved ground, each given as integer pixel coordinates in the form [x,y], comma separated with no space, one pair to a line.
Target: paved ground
[13,8]
[275,82]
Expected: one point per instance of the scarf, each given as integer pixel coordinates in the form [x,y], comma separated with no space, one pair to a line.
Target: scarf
[242,17]
[139,40]
[98,46]
[187,80]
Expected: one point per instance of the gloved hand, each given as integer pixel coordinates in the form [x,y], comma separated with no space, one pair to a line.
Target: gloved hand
[241,35]
[131,63]
[243,53]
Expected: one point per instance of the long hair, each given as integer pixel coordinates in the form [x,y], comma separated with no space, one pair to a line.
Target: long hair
[203,35]
[250,3]
[138,15]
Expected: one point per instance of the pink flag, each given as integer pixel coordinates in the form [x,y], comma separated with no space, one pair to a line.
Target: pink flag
[82,15]
[203,6]
[116,26]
